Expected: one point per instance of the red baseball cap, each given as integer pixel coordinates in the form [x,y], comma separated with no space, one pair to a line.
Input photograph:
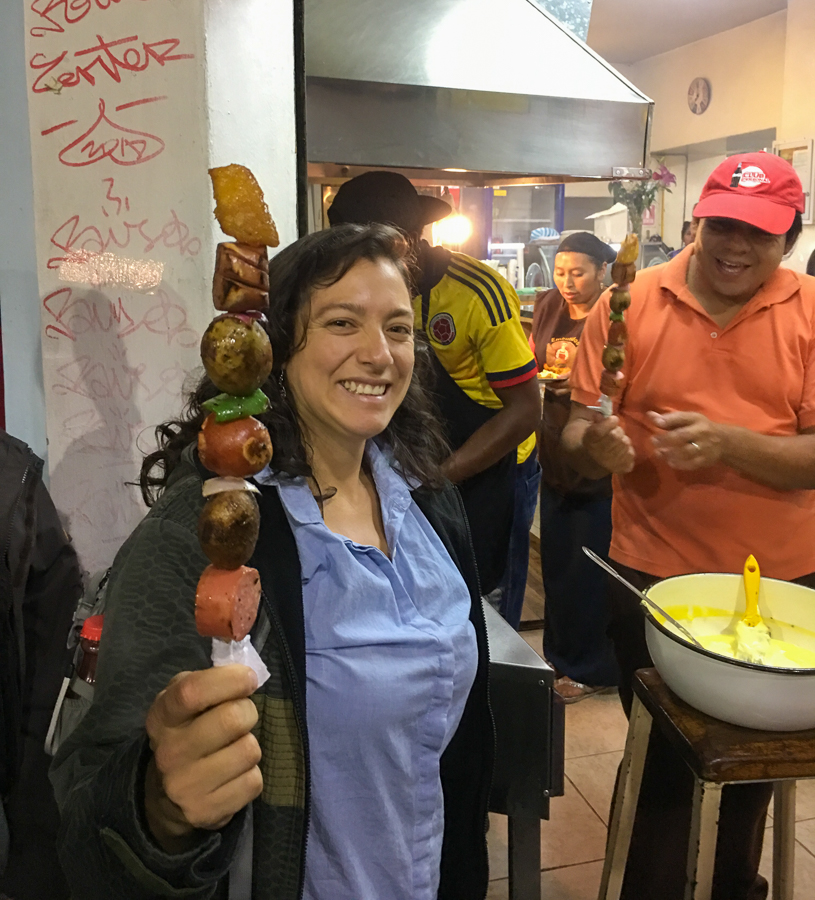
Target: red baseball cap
[761,189]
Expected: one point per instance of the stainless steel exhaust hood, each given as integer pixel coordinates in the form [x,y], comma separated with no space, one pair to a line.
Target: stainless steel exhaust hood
[476,91]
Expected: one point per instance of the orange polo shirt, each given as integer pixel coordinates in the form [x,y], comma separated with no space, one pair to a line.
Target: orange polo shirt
[757,372]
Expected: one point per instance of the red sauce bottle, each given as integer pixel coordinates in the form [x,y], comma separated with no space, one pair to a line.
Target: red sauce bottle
[89,639]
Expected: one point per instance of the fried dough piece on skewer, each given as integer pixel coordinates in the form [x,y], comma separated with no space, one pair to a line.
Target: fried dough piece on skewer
[240,208]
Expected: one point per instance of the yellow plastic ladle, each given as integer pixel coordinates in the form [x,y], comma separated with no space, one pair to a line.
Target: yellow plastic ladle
[752,577]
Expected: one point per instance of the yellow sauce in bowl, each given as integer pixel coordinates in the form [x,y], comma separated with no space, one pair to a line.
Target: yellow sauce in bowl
[779,654]
[715,629]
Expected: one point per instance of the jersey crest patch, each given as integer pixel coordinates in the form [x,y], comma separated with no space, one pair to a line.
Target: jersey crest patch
[442,328]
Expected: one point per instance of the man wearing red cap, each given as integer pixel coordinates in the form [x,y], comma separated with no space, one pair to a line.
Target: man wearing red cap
[712,449]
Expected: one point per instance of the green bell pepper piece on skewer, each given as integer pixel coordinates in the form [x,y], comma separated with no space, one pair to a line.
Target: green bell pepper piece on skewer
[228,407]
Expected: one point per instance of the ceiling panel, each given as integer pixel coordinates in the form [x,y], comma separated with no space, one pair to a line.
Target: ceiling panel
[626,31]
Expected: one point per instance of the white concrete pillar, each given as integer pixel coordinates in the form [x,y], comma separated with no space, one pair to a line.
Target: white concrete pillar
[130,102]
[19,303]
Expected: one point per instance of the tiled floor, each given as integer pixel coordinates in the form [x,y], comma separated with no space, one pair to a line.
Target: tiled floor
[573,840]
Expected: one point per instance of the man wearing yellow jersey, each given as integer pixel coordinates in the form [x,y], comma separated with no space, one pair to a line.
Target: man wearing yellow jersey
[485,378]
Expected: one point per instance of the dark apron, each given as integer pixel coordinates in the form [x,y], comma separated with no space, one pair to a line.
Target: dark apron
[489,496]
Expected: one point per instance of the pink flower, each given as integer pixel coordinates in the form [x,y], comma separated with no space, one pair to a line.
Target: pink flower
[664,176]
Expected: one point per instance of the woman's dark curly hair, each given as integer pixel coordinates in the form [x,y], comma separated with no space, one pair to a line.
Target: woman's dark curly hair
[316,261]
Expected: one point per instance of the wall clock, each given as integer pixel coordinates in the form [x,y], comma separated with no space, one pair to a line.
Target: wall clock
[699,95]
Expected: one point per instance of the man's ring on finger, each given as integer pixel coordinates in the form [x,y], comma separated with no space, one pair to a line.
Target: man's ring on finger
[695,446]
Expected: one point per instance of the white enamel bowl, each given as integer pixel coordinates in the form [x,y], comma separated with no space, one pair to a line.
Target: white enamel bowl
[741,693]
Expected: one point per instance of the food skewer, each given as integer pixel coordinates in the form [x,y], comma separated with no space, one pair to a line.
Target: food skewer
[623,271]
[237,355]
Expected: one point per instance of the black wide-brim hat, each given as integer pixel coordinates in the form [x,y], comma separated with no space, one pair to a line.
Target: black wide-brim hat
[386,198]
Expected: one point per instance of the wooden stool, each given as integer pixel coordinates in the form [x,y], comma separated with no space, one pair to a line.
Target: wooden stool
[717,754]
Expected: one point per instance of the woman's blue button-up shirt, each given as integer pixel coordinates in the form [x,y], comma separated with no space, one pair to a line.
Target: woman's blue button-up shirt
[390,659]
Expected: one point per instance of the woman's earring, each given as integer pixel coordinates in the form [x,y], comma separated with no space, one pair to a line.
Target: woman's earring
[282,386]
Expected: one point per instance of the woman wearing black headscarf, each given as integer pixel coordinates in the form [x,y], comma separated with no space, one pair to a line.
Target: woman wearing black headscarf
[574,510]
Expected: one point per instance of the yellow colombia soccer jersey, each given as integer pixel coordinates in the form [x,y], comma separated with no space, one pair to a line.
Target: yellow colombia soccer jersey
[473,324]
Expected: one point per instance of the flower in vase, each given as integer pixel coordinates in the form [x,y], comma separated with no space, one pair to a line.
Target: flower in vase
[638,196]
[664,176]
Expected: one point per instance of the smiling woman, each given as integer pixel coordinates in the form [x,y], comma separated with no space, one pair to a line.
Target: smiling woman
[319,289]
[356,360]
[371,611]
